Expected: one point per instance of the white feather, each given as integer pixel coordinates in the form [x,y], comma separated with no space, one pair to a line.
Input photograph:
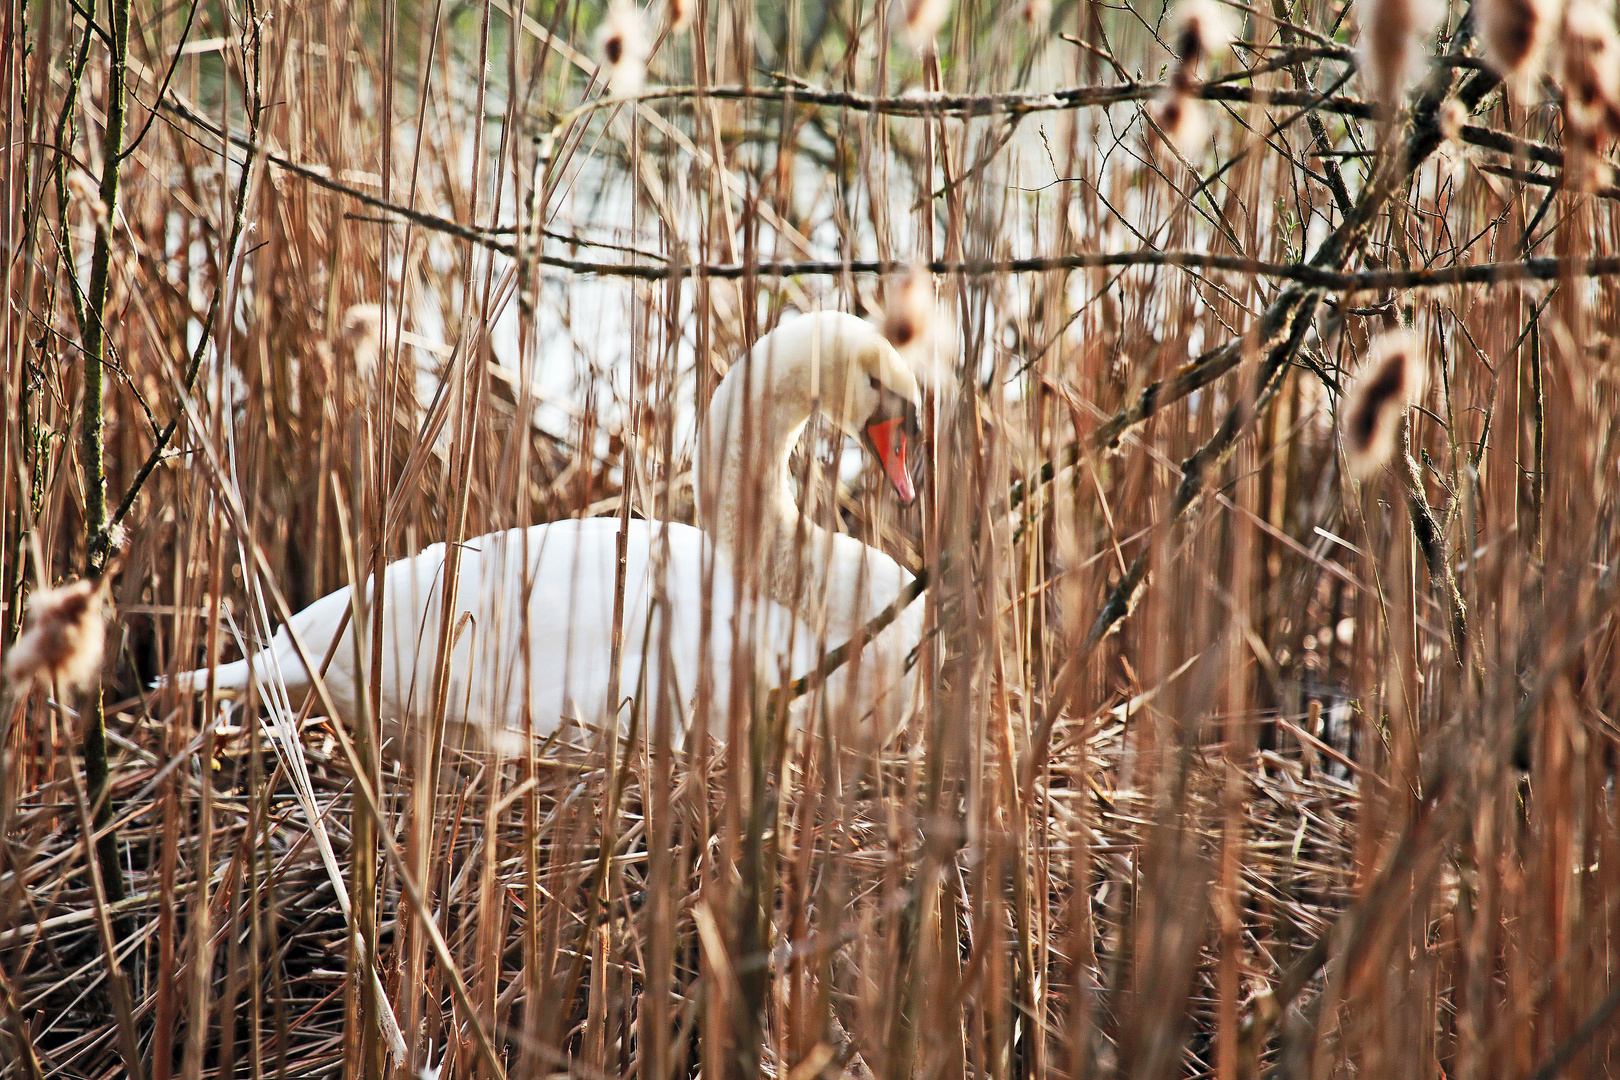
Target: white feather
[533,621]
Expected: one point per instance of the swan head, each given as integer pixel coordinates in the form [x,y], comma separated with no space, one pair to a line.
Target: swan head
[830,363]
[863,385]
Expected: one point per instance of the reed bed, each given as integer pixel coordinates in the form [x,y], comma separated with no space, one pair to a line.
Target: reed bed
[1267,722]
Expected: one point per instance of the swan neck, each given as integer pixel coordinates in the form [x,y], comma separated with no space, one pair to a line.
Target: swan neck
[745,499]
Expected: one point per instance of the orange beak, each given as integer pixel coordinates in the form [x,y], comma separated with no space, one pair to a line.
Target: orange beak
[888,440]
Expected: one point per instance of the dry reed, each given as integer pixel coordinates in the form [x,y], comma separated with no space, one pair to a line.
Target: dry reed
[1224,767]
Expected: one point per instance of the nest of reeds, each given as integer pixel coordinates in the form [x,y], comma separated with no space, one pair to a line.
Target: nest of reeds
[277,941]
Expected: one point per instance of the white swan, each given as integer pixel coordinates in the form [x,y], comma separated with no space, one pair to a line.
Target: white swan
[535,612]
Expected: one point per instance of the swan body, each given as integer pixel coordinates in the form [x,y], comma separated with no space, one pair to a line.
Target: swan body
[531,633]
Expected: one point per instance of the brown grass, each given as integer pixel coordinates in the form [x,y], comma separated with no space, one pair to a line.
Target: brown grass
[1227,765]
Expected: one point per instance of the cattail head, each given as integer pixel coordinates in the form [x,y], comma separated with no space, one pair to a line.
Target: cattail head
[1450,118]
[1513,34]
[83,188]
[1393,377]
[920,20]
[1591,70]
[622,43]
[1181,116]
[681,13]
[64,634]
[1035,13]
[1393,41]
[909,311]
[1201,32]
[361,338]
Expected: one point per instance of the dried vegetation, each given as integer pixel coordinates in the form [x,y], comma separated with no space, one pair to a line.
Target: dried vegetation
[1270,525]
